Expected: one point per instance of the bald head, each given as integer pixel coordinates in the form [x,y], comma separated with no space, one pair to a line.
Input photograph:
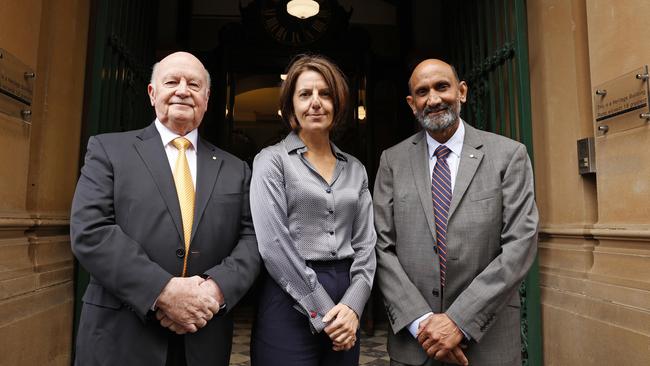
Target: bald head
[180,56]
[432,62]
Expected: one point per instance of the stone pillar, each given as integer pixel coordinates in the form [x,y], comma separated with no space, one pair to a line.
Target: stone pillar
[595,238]
[38,171]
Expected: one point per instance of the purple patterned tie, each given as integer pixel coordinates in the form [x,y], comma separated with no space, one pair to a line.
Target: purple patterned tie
[441,194]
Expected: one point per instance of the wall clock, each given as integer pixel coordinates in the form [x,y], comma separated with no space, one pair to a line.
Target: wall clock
[292,31]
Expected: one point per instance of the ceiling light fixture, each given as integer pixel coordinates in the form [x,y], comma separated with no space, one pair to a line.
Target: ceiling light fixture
[303,9]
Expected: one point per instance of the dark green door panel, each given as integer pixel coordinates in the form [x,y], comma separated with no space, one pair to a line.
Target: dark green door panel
[119,58]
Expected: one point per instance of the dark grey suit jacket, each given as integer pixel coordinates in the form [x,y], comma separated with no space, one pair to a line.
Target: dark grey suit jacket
[492,237]
[126,230]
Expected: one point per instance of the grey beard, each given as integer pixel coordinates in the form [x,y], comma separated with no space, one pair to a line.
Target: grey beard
[440,122]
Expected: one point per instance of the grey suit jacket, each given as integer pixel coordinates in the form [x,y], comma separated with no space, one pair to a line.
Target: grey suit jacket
[492,236]
[126,230]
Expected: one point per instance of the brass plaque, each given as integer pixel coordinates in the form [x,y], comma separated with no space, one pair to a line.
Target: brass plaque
[622,103]
[16,86]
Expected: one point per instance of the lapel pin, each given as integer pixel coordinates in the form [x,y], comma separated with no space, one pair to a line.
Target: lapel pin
[214,158]
[472,156]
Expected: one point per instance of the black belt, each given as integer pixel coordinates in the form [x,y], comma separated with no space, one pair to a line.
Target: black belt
[340,264]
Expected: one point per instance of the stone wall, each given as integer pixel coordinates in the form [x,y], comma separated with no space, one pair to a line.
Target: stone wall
[38,171]
[595,230]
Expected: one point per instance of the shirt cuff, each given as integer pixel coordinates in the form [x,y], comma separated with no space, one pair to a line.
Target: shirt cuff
[414,326]
[315,305]
[467,336]
[356,297]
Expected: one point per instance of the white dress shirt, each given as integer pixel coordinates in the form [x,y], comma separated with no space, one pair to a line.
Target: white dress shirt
[455,144]
[167,136]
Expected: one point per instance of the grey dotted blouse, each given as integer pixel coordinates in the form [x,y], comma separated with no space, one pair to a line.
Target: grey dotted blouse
[300,217]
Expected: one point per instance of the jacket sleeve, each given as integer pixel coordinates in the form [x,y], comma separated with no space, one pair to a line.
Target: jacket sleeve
[475,308]
[236,273]
[114,259]
[404,302]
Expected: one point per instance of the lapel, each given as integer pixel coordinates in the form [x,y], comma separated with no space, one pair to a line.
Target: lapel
[208,164]
[470,159]
[420,169]
[151,151]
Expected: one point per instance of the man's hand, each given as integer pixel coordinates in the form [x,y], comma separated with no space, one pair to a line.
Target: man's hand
[439,337]
[174,327]
[212,289]
[343,326]
[455,356]
[184,305]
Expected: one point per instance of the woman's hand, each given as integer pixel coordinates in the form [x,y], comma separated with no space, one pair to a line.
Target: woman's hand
[342,327]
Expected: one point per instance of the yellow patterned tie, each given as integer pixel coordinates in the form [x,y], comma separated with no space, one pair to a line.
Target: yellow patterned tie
[185,191]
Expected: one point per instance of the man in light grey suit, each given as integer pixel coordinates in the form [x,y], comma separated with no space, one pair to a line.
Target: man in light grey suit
[449,272]
[162,222]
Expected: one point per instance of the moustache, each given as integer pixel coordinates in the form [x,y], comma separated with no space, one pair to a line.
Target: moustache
[440,107]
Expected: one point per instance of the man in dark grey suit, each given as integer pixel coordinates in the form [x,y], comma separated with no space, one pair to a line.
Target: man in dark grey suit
[456,222]
[161,220]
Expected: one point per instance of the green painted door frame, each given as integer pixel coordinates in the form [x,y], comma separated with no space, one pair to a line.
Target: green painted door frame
[119,58]
[489,46]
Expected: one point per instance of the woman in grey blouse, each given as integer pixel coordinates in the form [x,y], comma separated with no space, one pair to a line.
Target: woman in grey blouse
[313,217]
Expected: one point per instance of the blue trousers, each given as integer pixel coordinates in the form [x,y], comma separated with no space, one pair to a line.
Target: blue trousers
[282,336]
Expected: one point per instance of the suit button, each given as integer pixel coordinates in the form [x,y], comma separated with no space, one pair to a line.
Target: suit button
[328,190]
[180,252]
[330,211]
[313,314]
[331,232]
[333,253]
[435,293]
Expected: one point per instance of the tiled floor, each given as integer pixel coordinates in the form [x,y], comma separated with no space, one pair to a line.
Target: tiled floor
[373,348]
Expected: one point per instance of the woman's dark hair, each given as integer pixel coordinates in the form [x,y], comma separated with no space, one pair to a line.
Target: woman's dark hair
[334,79]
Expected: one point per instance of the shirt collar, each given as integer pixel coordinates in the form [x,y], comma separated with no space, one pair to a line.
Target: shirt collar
[455,143]
[293,142]
[168,135]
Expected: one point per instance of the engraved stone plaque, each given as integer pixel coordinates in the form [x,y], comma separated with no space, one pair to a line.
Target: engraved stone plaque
[622,103]
[16,86]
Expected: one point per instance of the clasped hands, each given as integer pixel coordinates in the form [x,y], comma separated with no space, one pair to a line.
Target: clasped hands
[440,337]
[186,304]
[342,327]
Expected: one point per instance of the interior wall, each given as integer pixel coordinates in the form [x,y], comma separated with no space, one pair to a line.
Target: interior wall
[594,258]
[38,171]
